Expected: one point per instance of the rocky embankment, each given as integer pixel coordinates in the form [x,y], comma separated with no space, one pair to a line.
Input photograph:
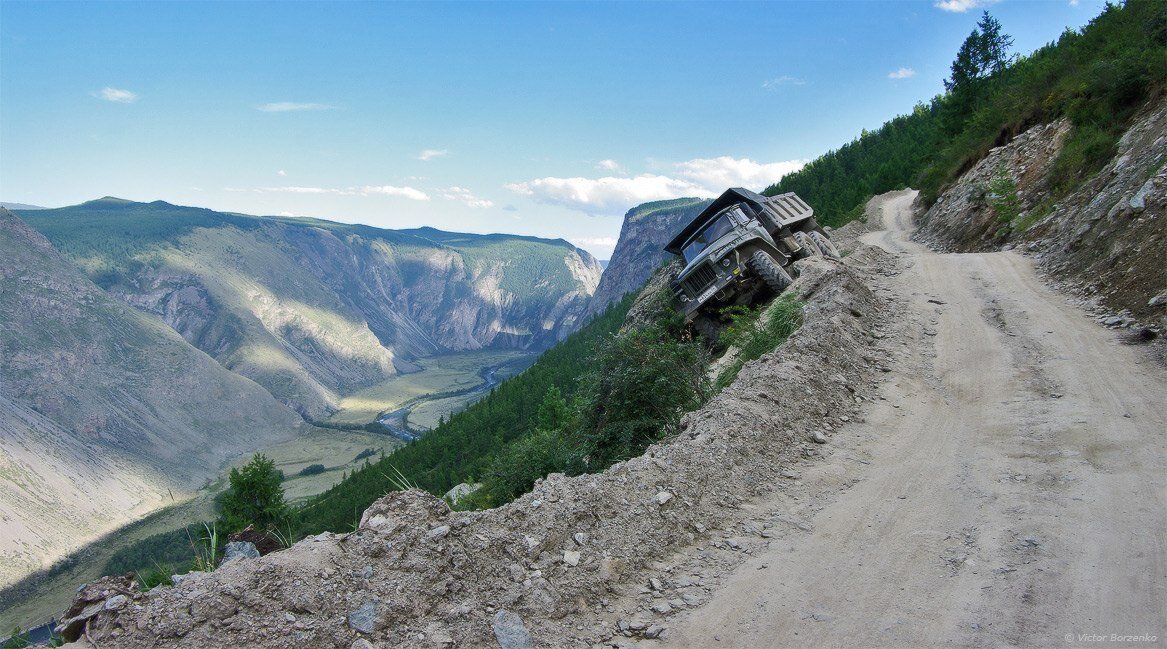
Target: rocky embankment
[547,569]
[1105,241]
[638,254]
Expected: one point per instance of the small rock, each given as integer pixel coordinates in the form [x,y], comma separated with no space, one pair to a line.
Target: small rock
[656,584]
[536,504]
[663,497]
[438,532]
[289,617]
[654,631]
[510,632]
[789,475]
[818,438]
[637,625]
[580,538]
[662,608]
[1112,321]
[116,602]
[571,557]
[237,550]
[1158,300]
[361,643]
[364,619]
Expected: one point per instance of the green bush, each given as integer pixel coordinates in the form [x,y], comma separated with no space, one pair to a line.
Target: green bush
[313,469]
[254,497]
[752,340]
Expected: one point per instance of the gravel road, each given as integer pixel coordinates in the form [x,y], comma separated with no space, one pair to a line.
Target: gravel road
[1008,490]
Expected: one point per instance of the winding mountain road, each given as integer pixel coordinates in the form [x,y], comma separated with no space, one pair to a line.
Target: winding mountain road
[1010,490]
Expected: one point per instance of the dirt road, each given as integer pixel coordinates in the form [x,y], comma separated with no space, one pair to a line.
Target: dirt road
[1011,489]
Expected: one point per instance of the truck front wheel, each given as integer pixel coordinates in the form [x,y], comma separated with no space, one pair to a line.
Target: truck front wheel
[771,272]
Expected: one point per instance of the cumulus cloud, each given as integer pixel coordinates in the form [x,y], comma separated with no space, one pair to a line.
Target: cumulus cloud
[599,242]
[722,172]
[467,197]
[610,165]
[385,190]
[700,177]
[961,6]
[291,106]
[429,154]
[389,190]
[281,172]
[117,95]
[784,80]
[607,195]
[902,73]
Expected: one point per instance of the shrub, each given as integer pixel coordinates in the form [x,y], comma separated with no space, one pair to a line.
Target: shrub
[313,469]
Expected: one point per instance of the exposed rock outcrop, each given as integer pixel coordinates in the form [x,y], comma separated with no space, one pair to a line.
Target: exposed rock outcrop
[638,254]
[1106,239]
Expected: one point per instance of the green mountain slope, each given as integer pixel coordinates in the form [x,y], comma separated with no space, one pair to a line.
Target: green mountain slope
[313,310]
[1098,77]
[103,409]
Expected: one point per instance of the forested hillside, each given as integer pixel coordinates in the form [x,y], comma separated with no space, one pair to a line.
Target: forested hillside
[1097,77]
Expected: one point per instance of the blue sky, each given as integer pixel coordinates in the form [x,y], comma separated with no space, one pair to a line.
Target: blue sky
[549,119]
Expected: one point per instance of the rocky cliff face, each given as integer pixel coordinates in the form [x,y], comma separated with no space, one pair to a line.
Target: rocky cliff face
[647,228]
[1107,238]
[102,408]
[313,310]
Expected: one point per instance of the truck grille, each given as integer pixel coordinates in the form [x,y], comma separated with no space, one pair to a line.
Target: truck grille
[701,277]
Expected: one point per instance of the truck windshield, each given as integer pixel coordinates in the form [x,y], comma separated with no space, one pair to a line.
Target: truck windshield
[712,232]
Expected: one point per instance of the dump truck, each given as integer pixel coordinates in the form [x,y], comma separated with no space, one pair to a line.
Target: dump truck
[740,247]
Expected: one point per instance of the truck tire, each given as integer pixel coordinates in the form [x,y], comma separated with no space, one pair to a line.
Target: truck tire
[809,247]
[771,272]
[825,245]
[708,329]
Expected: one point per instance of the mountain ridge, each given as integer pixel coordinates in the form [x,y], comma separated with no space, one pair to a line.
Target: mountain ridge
[314,309]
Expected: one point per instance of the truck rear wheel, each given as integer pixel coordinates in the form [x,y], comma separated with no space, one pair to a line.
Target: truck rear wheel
[825,245]
[771,272]
[808,246]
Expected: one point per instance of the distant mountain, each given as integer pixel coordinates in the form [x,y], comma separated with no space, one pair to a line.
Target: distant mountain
[21,206]
[312,309]
[604,263]
[103,408]
[639,251]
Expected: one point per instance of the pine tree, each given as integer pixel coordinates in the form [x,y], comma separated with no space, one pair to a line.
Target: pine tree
[255,497]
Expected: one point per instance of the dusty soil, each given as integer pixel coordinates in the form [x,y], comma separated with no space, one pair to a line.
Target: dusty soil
[1007,488]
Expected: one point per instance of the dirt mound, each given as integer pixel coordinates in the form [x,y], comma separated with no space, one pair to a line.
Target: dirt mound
[415,574]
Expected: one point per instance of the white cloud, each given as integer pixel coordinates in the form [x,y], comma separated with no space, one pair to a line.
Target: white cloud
[385,190]
[902,73]
[784,80]
[286,214]
[281,172]
[301,190]
[117,95]
[961,6]
[720,173]
[389,190]
[610,165]
[700,177]
[599,242]
[607,195]
[289,106]
[1073,3]
[466,196]
[429,154]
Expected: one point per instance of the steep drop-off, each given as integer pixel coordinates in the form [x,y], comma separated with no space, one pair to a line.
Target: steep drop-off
[103,409]
[311,309]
